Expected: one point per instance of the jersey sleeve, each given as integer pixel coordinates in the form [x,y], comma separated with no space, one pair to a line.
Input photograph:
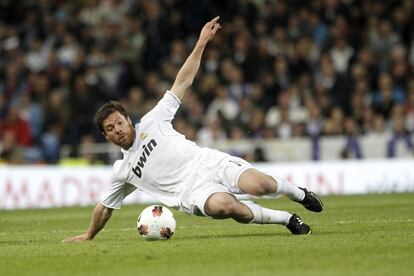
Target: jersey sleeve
[119,188]
[116,194]
[165,109]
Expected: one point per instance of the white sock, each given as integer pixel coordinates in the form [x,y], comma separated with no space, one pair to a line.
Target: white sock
[285,188]
[263,215]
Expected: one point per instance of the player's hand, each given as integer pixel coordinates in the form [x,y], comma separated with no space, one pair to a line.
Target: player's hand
[80,238]
[209,30]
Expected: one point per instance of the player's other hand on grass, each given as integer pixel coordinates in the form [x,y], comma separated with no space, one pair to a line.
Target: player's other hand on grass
[79,238]
[209,30]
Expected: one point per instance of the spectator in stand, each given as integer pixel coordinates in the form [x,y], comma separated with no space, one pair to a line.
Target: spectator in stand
[18,127]
[86,150]
[409,107]
[223,106]
[341,53]
[3,108]
[256,126]
[10,152]
[382,38]
[400,136]
[380,127]
[352,148]
[285,126]
[211,132]
[314,124]
[33,113]
[134,103]
[84,99]
[274,114]
[335,123]
[387,95]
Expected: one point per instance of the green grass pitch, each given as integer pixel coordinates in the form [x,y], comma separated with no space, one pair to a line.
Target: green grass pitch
[354,235]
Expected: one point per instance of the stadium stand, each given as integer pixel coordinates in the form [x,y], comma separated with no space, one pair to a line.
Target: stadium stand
[283,70]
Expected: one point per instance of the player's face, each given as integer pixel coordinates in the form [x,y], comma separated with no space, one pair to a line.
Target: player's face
[119,130]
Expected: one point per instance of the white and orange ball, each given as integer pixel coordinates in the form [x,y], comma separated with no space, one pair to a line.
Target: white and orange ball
[156,222]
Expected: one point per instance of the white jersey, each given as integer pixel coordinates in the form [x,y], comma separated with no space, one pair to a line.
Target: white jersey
[160,162]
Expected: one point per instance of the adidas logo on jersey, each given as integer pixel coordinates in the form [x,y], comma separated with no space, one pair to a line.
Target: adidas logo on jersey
[143,158]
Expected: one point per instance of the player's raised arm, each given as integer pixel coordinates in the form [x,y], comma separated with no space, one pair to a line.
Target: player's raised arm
[100,216]
[190,67]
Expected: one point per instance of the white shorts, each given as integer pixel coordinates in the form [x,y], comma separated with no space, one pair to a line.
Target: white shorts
[217,172]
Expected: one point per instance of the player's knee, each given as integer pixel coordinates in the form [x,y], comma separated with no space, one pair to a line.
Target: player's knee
[223,206]
[228,208]
[257,183]
[266,185]
[107,213]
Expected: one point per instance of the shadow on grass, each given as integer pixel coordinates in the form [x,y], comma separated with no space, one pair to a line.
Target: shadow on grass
[256,235]
[230,236]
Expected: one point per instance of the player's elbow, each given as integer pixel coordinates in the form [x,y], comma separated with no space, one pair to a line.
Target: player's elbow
[179,87]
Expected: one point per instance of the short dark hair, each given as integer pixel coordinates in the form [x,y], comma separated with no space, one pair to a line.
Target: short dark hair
[106,110]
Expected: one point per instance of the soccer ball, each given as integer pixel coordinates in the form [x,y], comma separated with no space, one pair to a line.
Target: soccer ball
[156,222]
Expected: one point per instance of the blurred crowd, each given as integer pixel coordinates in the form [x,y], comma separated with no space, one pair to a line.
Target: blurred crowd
[277,69]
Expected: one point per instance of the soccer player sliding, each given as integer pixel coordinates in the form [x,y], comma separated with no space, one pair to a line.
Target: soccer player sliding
[201,181]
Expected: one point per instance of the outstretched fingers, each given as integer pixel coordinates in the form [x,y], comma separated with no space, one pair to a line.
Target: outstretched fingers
[213,25]
[210,29]
[215,20]
[216,26]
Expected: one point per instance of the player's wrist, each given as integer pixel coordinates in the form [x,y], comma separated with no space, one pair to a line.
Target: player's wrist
[202,42]
[88,236]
